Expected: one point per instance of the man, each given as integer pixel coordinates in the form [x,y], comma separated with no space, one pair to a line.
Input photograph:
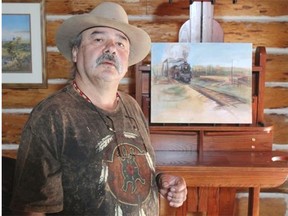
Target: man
[86,150]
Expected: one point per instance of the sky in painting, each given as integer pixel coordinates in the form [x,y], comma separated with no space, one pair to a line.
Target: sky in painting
[224,54]
[15,26]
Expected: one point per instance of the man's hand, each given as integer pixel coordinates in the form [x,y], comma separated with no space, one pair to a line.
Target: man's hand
[173,188]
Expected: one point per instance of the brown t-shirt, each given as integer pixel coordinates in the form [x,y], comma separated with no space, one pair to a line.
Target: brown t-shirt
[76,159]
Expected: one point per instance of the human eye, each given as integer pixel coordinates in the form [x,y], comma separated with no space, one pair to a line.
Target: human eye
[120,44]
[98,39]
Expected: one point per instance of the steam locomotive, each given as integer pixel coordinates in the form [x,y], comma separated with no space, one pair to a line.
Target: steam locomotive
[177,69]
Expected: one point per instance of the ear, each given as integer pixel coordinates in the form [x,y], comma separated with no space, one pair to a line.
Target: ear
[74,54]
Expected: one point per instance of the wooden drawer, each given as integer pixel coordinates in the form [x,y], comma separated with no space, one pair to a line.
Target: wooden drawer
[238,141]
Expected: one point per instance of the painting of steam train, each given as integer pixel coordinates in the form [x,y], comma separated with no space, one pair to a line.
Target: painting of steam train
[178,69]
[201,83]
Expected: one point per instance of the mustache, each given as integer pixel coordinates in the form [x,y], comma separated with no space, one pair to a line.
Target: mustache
[108,57]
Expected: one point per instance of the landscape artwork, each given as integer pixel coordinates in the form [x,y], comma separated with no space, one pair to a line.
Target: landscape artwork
[201,83]
[16,43]
[23,45]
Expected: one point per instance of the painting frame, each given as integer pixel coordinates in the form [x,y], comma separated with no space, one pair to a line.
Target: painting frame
[33,74]
[201,83]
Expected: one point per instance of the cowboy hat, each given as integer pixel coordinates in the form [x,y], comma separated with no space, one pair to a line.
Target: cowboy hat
[106,14]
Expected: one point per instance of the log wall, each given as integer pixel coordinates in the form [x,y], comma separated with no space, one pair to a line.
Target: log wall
[261,22]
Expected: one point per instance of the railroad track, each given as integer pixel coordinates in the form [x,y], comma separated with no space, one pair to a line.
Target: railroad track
[221,98]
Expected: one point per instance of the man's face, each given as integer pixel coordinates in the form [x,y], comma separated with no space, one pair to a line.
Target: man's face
[103,54]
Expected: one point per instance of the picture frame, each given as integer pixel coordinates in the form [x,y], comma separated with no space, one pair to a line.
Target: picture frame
[23,44]
[201,83]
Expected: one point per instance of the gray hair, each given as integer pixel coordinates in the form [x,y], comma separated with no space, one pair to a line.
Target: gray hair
[75,43]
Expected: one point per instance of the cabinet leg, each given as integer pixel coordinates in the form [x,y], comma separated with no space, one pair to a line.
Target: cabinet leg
[253,201]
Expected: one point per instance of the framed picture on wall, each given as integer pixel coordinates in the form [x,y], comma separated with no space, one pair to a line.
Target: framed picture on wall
[201,83]
[23,47]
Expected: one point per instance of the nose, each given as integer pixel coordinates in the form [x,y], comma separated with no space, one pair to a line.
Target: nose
[110,47]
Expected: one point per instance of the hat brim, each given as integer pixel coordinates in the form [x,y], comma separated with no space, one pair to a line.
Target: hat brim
[140,41]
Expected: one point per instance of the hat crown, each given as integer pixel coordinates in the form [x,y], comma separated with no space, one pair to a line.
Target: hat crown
[110,10]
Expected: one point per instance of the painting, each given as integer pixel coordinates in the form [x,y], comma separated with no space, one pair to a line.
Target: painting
[201,83]
[23,54]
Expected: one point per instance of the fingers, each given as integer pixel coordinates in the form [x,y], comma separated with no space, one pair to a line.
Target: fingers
[179,185]
[173,188]
[170,181]
[173,183]
[176,199]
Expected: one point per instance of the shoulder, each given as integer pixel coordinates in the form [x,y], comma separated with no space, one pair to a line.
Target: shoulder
[132,106]
[61,98]
[52,107]
[128,99]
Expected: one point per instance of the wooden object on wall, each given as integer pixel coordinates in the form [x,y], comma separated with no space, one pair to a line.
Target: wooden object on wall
[201,27]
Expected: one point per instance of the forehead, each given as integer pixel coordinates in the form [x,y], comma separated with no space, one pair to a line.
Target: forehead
[105,31]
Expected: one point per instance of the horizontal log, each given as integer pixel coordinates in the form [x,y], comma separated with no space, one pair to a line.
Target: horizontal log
[177,8]
[221,8]
[280,124]
[57,66]
[276,68]
[272,34]
[26,98]
[251,8]
[85,6]
[9,153]
[275,97]
[12,126]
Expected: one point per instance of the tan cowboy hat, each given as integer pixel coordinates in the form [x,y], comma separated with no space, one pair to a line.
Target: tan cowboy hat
[106,14]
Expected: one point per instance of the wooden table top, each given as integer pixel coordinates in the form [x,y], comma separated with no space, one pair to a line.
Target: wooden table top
[226,169]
